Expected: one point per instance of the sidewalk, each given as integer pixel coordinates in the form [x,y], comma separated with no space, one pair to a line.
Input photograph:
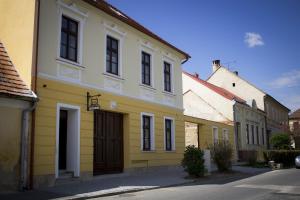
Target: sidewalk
[107,185]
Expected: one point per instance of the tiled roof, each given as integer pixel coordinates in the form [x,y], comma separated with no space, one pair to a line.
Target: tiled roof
[114,12]
[219,90]
[295,115]
[11,83]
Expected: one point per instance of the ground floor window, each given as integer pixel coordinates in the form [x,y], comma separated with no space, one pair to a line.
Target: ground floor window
[225,135]
[215,135]
[147,132]
[169,134]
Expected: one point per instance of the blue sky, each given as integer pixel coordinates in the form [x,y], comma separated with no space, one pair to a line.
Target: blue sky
[258,38]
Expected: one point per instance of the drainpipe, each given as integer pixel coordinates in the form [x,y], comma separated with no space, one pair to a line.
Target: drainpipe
[24,175]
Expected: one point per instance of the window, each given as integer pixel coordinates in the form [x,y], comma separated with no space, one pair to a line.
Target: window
[112,55]
[225,135]
[69,39]
[147,132]
[257,135]
[169,134]
[263,135]
[167,77]
[215,135]
[233,84]
[252,133]
[146,68]
[247,133]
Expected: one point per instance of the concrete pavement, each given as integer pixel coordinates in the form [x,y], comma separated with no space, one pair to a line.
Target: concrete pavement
[272,185]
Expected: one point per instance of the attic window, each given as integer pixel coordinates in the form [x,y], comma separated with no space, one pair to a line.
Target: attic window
[233,84]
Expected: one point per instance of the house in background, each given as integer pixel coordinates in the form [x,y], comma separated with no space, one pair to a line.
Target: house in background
[294,123]
[276,113]
[16,103]
[211,102]
[90,56]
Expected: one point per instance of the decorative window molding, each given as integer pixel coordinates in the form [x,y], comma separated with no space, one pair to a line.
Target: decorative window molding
[169,61]
[151,53]
[109,32]
[73,12]
[172,134]
[152,131]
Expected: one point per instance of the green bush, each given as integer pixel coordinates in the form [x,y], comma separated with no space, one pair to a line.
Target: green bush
[193,161]
[221,154]
[286,157]
[281,141]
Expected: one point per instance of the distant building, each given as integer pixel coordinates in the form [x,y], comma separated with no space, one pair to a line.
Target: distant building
[207,101]
[294,122]
[276,113]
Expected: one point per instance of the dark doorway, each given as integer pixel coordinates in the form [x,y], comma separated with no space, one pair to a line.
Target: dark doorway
[108,142]
[63,124]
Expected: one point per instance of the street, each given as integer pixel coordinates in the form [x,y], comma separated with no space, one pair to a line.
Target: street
[274,185]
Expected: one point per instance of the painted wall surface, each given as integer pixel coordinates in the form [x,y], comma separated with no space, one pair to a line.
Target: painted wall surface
[53,92]
[17,34]
[225,78]
[220,103]
[205,130]
[10,132]
[197,107]
[251,116]
[90,69]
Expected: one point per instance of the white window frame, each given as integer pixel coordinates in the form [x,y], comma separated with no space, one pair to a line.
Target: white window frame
[225,132]
[213,134]
[152,133]
[171,62]
[75,14]
[120,37]
[149,51]
[172,134]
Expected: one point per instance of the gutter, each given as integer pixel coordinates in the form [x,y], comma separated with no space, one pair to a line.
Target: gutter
[24,146]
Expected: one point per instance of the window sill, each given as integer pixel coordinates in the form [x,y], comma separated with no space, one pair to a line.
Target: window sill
[70,63]
[150,151]
[169,93]
[148,87]
[116,77]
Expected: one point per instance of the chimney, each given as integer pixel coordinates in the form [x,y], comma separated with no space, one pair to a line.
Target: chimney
[215,65]
[236,73]
[196,75]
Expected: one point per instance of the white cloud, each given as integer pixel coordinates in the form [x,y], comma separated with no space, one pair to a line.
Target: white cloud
[253,40]
[288,79]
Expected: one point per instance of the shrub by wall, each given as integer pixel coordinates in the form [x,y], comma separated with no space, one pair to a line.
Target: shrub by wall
[222,153]
[193,161]
[286,157]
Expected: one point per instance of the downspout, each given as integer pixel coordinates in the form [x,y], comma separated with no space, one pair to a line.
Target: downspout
[24,175]
[32,138]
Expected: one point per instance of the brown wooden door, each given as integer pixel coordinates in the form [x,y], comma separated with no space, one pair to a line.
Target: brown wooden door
[108,142]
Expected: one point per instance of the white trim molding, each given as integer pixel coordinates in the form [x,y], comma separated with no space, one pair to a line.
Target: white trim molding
[173,136]
[76,125]
[225,134]
[152,133]
[171,62]
[213,134]
[149,51]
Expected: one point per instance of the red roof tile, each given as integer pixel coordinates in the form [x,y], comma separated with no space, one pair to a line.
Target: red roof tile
[11,83]
[219,90]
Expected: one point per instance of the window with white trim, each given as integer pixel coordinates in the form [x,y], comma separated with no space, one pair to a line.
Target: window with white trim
[167,77]
[146,68]
[215,135]
[169,134]
[225,135]
[147,132]
[112,55]
[247,134]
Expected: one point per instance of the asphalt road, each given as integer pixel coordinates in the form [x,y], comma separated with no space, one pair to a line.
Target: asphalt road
[274,185]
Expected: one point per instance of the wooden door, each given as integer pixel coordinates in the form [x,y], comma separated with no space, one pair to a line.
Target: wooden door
[108,142]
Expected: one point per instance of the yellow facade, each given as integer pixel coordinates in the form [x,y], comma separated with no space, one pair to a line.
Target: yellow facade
[206,133]
[17,33]
[53,92]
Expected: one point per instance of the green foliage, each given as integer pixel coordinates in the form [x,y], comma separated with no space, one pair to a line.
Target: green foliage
[281,141]
[252,158]
[286,157]
[221,154]
[193,161]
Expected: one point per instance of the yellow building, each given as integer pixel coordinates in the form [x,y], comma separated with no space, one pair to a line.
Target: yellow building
[91,55]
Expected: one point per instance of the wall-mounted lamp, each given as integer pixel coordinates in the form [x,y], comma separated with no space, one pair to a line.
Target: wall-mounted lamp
[92,102]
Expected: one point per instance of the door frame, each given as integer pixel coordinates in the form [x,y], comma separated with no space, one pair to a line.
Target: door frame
[77,145]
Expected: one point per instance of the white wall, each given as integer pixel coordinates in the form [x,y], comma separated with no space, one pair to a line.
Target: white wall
[224,78]
[223,105]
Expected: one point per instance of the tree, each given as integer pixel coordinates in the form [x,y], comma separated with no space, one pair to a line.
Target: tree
[281,141]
